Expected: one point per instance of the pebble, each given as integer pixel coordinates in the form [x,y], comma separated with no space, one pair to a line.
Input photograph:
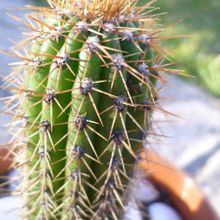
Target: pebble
[162,211]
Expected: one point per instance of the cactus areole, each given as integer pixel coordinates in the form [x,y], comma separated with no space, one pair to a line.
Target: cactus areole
[86,89]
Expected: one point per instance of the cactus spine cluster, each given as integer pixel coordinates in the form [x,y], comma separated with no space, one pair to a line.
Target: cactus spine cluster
[86,90]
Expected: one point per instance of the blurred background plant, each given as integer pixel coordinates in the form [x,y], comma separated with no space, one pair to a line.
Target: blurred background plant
[39,2]
[198,54]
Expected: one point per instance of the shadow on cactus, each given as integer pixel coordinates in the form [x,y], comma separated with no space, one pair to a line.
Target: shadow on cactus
[86,85]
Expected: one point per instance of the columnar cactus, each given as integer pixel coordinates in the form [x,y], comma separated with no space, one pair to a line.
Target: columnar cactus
[86,90]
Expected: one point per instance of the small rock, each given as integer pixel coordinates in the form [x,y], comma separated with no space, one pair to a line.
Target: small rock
[144,191]
[162,211]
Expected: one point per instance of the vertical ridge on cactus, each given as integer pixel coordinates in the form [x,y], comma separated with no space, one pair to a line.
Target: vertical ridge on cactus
[86,90]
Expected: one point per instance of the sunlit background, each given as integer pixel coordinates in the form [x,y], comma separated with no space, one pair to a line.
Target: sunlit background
[194,139]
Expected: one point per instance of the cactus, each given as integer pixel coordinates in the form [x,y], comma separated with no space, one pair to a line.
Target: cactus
[86,91]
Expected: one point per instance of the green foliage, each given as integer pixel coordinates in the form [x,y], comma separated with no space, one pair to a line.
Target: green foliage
[198,53]
[39,2]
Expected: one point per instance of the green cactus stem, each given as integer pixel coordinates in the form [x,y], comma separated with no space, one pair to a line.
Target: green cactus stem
[88,89]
